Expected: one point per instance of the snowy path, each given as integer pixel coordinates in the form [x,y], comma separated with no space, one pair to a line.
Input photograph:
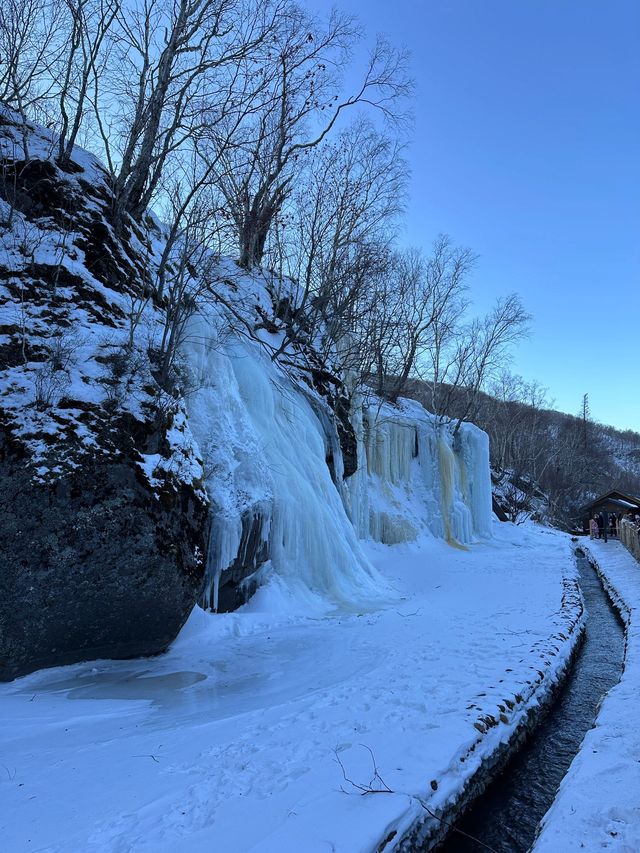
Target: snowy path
[598,803]
[228,741]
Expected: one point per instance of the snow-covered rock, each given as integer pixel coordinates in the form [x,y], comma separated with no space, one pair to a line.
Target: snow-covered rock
[102,513]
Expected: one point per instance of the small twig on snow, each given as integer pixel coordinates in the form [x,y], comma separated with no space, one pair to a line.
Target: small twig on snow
[406,615]
[376,785]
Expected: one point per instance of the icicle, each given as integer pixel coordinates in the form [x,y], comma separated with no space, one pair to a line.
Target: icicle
[224,541]
[414,480]
[447,487]
[474,456]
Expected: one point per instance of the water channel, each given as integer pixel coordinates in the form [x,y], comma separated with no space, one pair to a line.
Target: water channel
[506,816]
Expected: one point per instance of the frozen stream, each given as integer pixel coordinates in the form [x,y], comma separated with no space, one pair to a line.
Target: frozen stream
[506,816]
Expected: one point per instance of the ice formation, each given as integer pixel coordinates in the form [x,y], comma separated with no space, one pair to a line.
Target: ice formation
[264,447]
[415,475]
[265,442]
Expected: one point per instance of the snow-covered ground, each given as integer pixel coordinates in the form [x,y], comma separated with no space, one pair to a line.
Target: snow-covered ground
[598,803]
[231,740]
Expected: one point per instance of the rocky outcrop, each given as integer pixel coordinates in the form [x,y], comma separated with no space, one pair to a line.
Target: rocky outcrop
[238,582]
[103,515]
[94,565]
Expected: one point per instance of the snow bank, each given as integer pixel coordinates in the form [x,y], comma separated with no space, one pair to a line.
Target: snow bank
[598,802]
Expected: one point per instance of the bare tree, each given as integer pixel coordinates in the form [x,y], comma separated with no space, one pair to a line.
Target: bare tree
[185,272]
[418,311]
[178,63]
[303,69]
[336,227]
[464,357]
[353,192]
[585,417]
[355,312]
[88,49]
[485,347]
[31,41]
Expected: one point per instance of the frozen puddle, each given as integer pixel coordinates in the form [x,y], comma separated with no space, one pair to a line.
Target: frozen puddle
[125,685]
[265,672]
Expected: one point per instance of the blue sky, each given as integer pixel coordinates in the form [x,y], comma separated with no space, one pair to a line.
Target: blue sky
[527,149]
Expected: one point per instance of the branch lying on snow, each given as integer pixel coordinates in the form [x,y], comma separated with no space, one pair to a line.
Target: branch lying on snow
[376,785]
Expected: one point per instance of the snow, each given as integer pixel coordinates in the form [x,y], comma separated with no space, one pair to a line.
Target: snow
[229,740]
[598,802]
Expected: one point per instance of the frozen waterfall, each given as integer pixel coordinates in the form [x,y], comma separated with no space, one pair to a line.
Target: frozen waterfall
[265,451]
[415,476]
[263,445]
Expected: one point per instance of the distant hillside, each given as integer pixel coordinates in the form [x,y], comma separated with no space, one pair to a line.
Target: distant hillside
[546,463]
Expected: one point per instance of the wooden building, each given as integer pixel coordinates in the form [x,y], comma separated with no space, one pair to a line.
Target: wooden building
[612,502]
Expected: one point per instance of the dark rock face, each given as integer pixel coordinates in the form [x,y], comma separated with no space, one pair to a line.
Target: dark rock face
[103,517]
[92,566]
[238,583]
[337,397]
[346,434]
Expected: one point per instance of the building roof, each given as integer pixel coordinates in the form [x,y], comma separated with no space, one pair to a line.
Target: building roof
[615,497]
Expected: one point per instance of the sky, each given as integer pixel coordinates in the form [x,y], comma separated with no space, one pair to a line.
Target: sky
[526,148]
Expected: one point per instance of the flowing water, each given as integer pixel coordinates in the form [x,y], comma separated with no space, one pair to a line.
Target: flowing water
[506,816]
